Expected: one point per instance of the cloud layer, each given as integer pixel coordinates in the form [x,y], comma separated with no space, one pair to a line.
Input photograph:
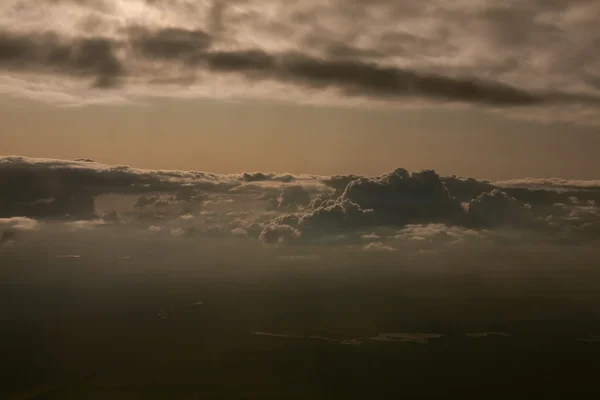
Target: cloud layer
[528,54]
[379,214]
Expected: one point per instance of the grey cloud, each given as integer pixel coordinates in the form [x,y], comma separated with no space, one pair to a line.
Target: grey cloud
[339,182]
[358,78]
[342,215]
[272,234]
[400,197]
[293,197]
[267,206]
[10,228]
[95,57]
[169,43]
[262,176]
[146,200]
[438,233]
[498,208]
[537,192]
[556,184]
[46,187]
[378,247]
[7,235]
[525,53]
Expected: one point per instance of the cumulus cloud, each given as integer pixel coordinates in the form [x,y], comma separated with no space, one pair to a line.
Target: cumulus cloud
[445,209]
[293,196]
[399,197]
[272,234]
[517,54]
[63,188]
[498,208]
[418,207]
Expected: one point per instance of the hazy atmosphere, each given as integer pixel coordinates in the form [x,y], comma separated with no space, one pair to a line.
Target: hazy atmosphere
[299,199]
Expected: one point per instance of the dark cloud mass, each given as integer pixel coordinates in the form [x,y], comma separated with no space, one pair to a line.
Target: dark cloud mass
[403,198]
[482,54]
[96,56]
[85,57]
[169,43]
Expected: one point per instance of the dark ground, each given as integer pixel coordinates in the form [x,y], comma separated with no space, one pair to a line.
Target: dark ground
[91,330]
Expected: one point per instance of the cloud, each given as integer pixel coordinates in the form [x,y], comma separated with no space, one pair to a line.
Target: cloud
[438,233]
[399,197]
[498,208]
[10,228]
[395,209]
[378,247]
[558,184]
[169,43]
[446,209]
[528,190]
[529,58]
[273,234]
[7,236]
[58,188]
[83,225]
[20,223]
[293,197]
[48,53]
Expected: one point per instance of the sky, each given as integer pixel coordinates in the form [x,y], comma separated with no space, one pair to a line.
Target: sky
[473,88]
[213,180]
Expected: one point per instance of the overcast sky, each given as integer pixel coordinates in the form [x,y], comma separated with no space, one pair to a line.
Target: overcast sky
[189,186]
[470,87]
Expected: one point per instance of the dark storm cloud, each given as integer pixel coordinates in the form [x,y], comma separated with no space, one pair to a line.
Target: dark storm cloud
[169,43]
[85,57]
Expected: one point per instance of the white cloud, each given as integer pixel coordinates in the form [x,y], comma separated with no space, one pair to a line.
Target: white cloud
[550,183]
[378,247]
[85,224]
[20,223]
